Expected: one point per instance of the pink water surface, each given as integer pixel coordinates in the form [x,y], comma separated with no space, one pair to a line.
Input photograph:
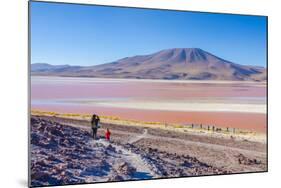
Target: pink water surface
[45,91]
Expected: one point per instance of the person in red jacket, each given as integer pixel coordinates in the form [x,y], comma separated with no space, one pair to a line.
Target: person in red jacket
[107,134]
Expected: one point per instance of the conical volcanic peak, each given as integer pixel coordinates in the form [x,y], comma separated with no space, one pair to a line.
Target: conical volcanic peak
[174,63]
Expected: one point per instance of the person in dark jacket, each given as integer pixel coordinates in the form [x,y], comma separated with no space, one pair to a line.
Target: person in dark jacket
[95,125]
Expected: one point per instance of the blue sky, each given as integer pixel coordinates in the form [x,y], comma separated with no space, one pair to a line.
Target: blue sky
[91,35]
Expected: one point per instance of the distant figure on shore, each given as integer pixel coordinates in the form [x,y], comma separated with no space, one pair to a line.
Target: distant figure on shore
[107,134]
[95,125]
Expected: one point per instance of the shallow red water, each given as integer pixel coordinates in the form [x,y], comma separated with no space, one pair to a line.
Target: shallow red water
[50,90]
[44,92]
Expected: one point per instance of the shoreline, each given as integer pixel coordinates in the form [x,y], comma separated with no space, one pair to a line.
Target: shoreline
[192,106]
[194,129]
[156,80]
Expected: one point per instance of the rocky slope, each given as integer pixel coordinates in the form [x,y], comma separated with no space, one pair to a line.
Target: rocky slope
[62,154]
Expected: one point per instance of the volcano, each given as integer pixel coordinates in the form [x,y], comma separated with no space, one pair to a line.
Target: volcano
[172,64]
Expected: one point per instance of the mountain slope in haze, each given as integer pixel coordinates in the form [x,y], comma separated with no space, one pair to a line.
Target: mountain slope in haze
[47,68]
[176,63]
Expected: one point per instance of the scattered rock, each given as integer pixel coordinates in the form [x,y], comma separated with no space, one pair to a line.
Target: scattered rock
[246,161]
[111,148]
[116,177]
[125,168]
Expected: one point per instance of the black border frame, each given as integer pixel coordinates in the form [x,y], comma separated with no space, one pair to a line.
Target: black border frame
[132,7]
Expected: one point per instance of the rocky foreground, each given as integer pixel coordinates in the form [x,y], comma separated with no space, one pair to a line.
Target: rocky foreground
[63,154]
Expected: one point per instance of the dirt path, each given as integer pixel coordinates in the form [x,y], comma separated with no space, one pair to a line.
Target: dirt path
[139,137]
[143,169]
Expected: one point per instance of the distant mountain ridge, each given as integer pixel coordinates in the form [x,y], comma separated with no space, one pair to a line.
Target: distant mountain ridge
[44,67]
[176,63]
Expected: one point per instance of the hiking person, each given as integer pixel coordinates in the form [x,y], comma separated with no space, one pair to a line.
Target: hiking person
[95,125]
[107,134]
